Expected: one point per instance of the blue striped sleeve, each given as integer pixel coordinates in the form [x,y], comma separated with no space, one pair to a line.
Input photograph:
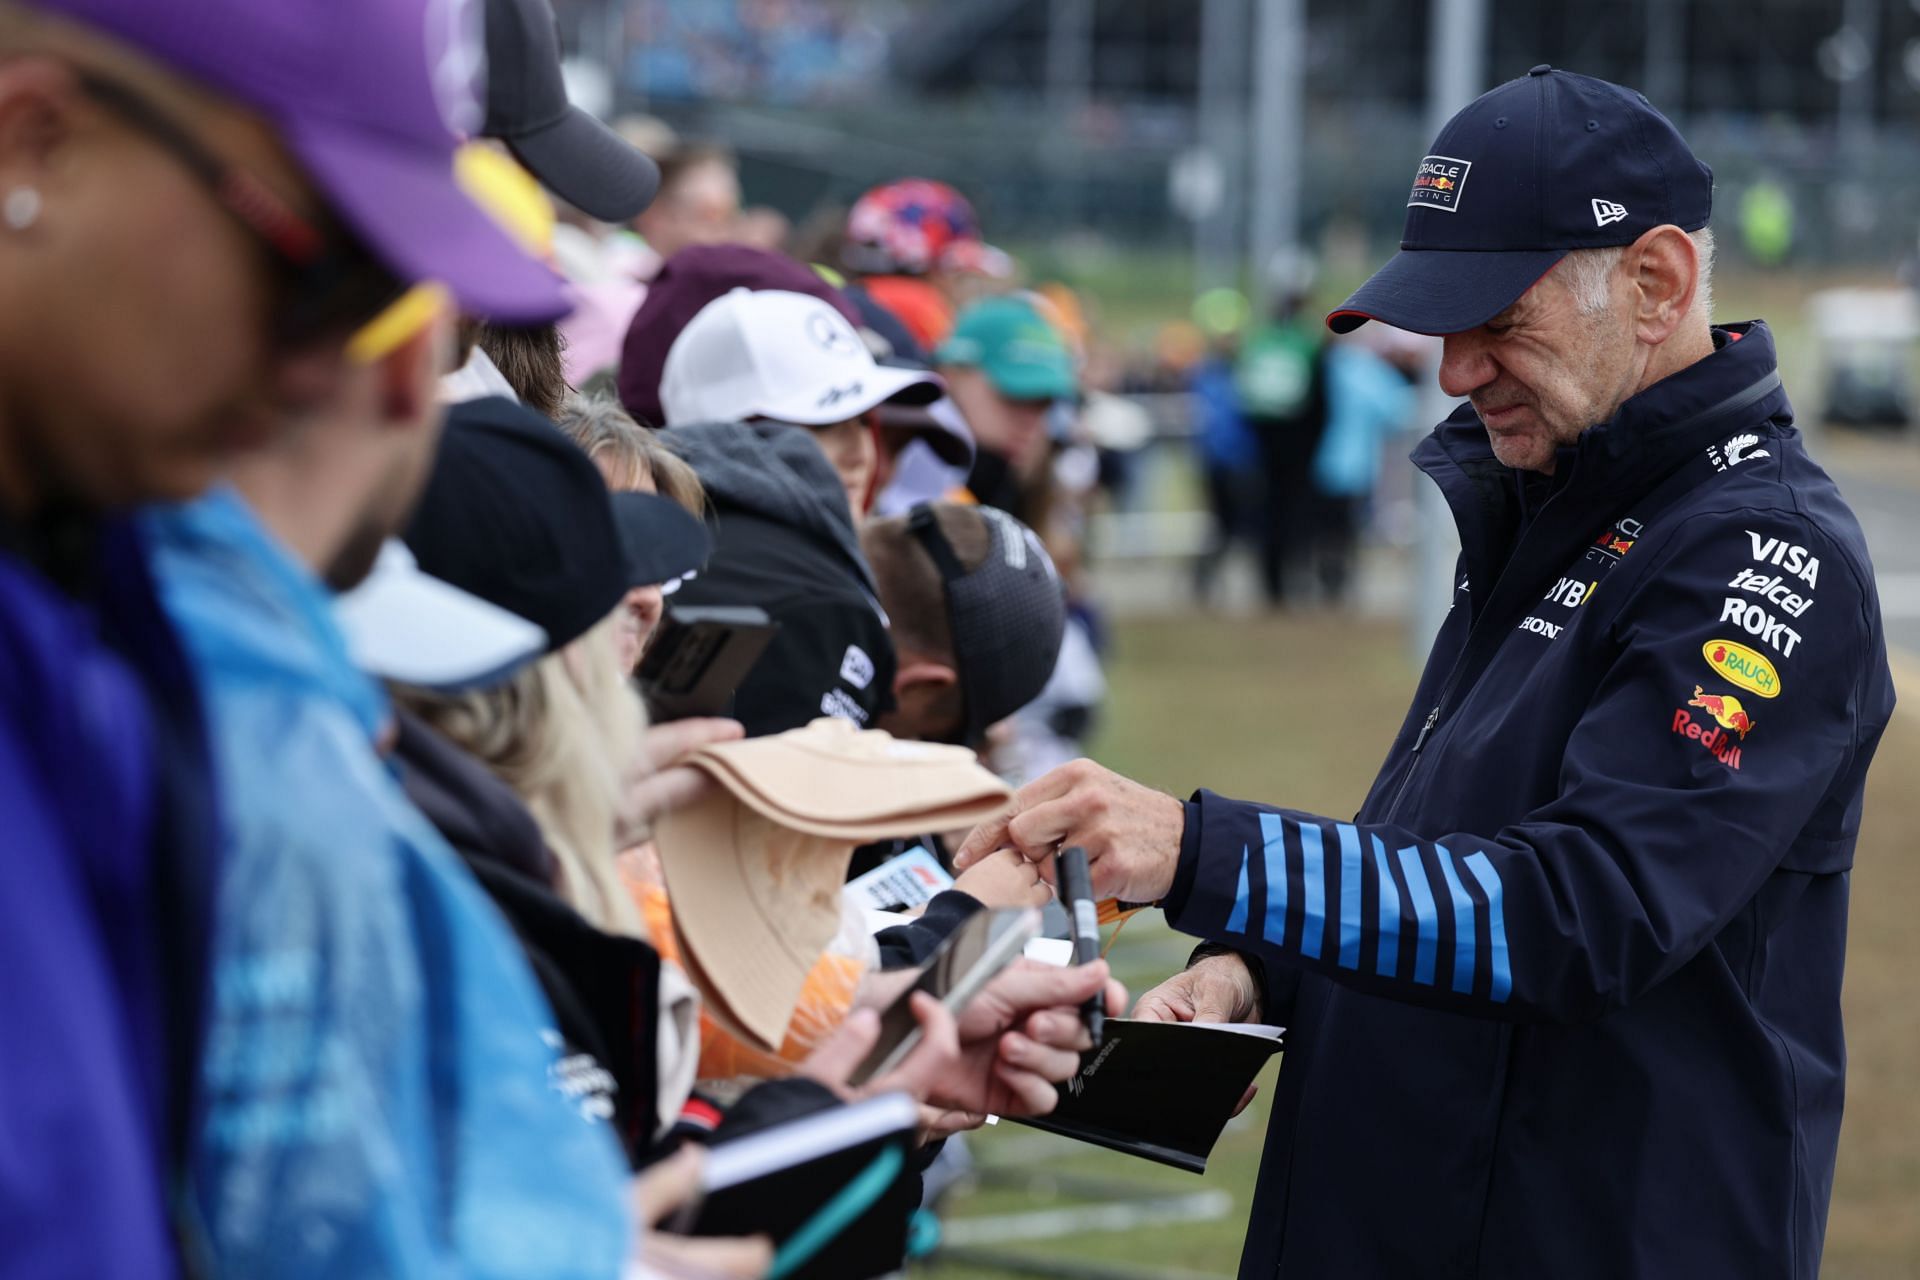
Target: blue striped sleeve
[1463,940]
[1313,889]
[1350,874]
[1387,963]
[1237,918]
[1426,915]
[1273,834]
[1481,868]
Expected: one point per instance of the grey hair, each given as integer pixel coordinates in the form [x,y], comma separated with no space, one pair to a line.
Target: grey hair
[1588,272]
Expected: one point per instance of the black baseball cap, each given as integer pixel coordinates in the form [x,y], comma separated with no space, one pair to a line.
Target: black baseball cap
[581,160]
[1007,615]
[1524,174]
[517,514]
[660,540]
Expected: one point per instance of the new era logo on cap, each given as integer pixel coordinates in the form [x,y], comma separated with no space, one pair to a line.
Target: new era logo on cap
[1605,211]
[1438,184]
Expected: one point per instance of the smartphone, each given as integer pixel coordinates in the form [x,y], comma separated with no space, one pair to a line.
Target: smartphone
[700,656]
[970,957]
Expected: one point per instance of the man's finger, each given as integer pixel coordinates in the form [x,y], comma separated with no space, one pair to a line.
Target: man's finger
[1038,831]
[1032,1096]
[833,1063]
[933,1060]
[1035,986]
[1245,1099]
[667,1184]
[722,1258]
[669,741]
[1154,1009]
[1059,1029]
[1028,1054]
[667,791]
[991,835]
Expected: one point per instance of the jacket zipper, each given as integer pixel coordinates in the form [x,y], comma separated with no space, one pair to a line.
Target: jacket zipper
[1740,399]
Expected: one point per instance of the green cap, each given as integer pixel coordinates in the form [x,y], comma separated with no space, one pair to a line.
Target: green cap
[1023,356]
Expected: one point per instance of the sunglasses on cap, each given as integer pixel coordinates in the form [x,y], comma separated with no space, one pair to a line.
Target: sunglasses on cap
[328,283]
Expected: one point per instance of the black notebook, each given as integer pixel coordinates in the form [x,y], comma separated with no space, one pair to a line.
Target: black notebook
[833,1189]
[1161,1090]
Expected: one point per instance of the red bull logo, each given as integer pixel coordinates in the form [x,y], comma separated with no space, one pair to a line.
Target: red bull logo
[1438,183]
[1613,544]
[1732,718]
[1725,709]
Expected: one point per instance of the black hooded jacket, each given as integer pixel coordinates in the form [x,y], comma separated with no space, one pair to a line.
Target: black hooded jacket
[784,540]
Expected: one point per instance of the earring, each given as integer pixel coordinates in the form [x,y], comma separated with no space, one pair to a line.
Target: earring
[21,208]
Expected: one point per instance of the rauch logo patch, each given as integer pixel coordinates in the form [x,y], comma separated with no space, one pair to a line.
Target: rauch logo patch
[1742,666]
[1439,183]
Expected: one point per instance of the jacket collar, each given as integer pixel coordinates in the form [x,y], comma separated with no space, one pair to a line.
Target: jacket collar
[1614,463]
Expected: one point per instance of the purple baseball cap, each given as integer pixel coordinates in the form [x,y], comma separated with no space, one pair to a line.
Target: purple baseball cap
[372,97]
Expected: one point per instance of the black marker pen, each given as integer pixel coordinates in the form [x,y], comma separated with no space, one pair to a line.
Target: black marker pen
[1076,895]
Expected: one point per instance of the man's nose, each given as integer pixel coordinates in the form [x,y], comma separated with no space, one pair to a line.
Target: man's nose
[647,603]
[1466,363]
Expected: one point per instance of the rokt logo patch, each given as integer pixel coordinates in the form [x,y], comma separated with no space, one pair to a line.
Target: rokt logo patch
[1438,183]
[1740,665]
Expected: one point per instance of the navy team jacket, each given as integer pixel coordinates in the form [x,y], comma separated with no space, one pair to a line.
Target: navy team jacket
[1564,998]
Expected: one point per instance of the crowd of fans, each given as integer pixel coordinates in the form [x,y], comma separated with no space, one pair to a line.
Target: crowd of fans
[1290,432]
[362,431]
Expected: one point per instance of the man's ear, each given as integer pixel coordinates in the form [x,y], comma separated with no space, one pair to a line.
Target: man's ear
[36,96]
[1666,275]
[410,373]
[927,677]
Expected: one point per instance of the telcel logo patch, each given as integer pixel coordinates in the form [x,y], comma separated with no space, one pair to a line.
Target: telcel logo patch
[1740,665]
[1438,183]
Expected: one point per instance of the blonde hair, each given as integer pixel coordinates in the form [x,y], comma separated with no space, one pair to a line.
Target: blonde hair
[628,453]
[565,734]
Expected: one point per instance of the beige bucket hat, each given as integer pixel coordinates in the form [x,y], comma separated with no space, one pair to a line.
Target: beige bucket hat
[755,870]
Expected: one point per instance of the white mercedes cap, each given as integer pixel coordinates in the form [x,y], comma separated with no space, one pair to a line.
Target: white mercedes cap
[768,353]
[403,624]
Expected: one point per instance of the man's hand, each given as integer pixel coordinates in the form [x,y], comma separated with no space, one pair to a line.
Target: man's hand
[1217,988]
[1018,1038]
[666,1187]
[656,786]
[1005,879]
[1023,1034]
[1131,833]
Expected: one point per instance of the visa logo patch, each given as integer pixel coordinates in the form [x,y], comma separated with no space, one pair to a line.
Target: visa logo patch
[1438,183]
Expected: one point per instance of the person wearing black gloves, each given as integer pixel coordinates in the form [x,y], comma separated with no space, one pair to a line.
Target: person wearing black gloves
[1564,998]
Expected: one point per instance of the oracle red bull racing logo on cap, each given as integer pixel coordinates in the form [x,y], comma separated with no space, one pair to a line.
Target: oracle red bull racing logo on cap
[1732,721]
[1438,183]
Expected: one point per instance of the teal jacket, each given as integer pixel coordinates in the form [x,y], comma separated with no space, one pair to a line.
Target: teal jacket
[375,1096]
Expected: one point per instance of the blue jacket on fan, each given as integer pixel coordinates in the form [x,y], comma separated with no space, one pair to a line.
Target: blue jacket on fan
[1564,998]
[107,867]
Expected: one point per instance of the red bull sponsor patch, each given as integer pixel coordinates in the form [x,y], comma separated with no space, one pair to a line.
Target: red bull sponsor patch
[1721,739]
[1737,664]
[1439,183]
[1725,709]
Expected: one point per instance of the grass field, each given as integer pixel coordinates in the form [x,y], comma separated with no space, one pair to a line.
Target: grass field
[1300,711]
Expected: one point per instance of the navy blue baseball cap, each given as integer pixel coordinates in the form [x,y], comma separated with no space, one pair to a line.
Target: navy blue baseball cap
[1524,174]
